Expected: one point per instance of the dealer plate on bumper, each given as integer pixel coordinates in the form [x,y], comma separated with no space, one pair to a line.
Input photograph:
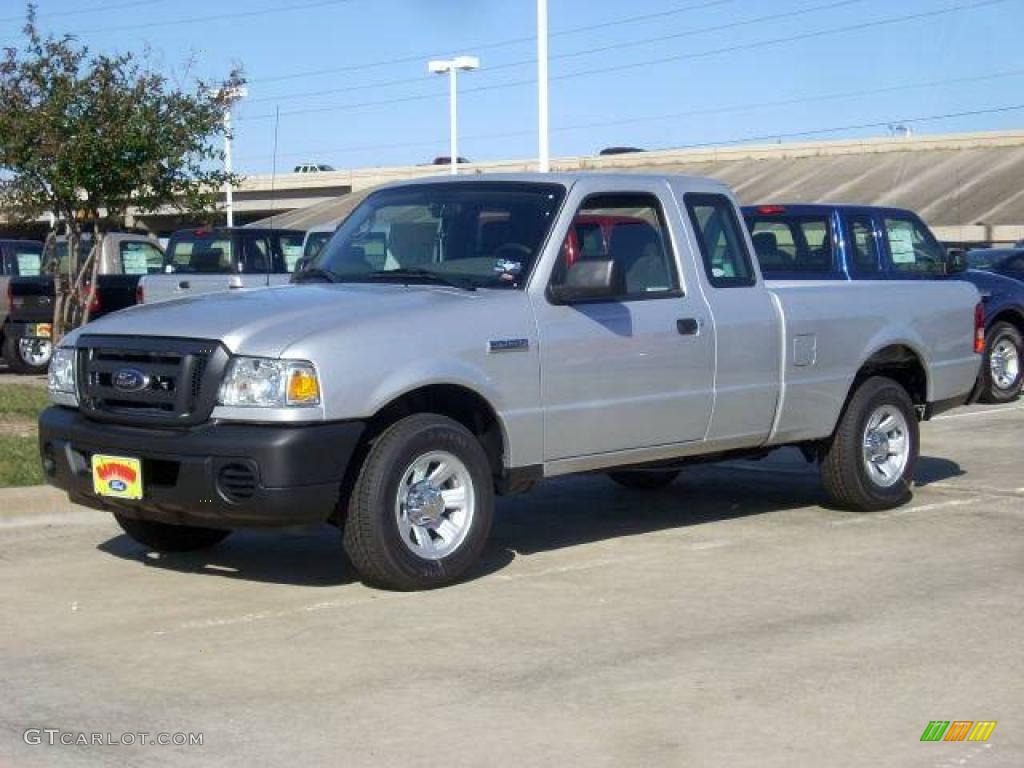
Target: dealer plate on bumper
[41,330]
[117,476]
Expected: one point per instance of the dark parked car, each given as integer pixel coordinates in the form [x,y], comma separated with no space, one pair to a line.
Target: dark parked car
[447,160]
[852,242]
[1008,262]
[620,150]
[18,258]
[124,258]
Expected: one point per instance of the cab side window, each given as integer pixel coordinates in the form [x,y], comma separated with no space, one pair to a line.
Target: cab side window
[722,246]
[139,258]
[863,248]
[628,229]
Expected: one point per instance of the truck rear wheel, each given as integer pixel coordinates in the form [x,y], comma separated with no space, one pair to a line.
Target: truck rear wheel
[164,537]
[644,480]
[28,355]
[421,509]
[1001,371]
[869,463]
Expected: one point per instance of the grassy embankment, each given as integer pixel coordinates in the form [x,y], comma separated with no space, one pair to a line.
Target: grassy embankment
[20,404]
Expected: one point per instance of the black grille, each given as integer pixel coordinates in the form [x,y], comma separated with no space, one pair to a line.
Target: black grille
[150,381]
[237,482]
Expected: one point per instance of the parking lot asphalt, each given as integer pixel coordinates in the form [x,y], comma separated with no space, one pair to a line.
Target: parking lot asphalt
[729,620]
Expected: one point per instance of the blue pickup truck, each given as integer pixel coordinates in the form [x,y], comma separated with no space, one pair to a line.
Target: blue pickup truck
[854,242]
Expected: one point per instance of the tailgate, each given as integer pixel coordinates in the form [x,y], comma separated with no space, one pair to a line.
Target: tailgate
[115,292]
[31,300]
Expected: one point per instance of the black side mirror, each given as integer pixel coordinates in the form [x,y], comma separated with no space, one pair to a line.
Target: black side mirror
[592,280]
[956,261]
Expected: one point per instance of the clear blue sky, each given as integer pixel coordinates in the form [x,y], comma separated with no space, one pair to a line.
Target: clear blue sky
[896,71]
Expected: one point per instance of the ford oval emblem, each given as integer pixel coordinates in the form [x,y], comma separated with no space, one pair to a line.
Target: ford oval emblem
[130,380]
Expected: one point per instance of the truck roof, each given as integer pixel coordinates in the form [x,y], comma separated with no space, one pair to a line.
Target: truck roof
[810,209]
[620,180]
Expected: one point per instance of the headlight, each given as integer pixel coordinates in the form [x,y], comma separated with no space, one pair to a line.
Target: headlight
[265,383]
[61,375]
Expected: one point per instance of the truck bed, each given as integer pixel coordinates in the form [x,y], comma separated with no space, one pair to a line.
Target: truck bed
[828,326]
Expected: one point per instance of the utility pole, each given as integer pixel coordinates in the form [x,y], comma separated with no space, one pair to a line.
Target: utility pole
[544,154]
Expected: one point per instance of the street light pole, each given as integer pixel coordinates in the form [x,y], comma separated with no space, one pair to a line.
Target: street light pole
[451,67]
[453,121]
[238,92]
[543,160]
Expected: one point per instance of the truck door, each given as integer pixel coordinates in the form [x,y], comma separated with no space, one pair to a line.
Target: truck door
[636,370]
[746,324]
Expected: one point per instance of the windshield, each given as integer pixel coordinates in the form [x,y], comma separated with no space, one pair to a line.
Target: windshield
[484,233]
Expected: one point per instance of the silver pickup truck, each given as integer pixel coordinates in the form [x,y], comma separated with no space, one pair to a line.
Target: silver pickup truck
[473,335]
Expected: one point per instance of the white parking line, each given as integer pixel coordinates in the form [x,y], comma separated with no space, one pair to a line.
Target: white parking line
[986,412]
[864,518]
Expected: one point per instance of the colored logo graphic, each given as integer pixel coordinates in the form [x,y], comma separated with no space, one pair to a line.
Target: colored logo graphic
[958,730]
[118,477]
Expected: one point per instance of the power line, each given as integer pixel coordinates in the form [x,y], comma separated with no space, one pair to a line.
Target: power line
[746,107]
[497,44]
[573,54]
[817,131]
[81,11]
[649,62]
[234,16]
[854,127]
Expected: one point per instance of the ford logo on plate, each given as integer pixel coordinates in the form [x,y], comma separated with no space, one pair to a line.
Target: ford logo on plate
[130,380]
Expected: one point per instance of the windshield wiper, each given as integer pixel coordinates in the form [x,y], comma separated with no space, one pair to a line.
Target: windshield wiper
[409,273]
[315,274]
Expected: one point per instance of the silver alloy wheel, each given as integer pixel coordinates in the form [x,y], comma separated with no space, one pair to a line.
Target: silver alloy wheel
[435,504]
[35,352]
[1004,364]
[886,445]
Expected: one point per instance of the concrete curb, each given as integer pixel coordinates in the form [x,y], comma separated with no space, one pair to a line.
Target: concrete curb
[34,500]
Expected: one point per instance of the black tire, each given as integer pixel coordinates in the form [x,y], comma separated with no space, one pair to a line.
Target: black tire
[644,480]
[372,537]
[12,354]
[844,470]
[164,537]
[991,391]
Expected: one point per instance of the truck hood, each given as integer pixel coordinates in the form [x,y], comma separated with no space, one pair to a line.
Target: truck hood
[265,321]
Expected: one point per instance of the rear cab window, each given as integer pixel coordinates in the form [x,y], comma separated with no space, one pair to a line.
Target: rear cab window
[913,250]
[201,253]
[23,260]
[787,244]
[720,239]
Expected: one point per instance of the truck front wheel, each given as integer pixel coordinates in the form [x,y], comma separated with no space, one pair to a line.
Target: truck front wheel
[869,463]
[421,508]
[164,537]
